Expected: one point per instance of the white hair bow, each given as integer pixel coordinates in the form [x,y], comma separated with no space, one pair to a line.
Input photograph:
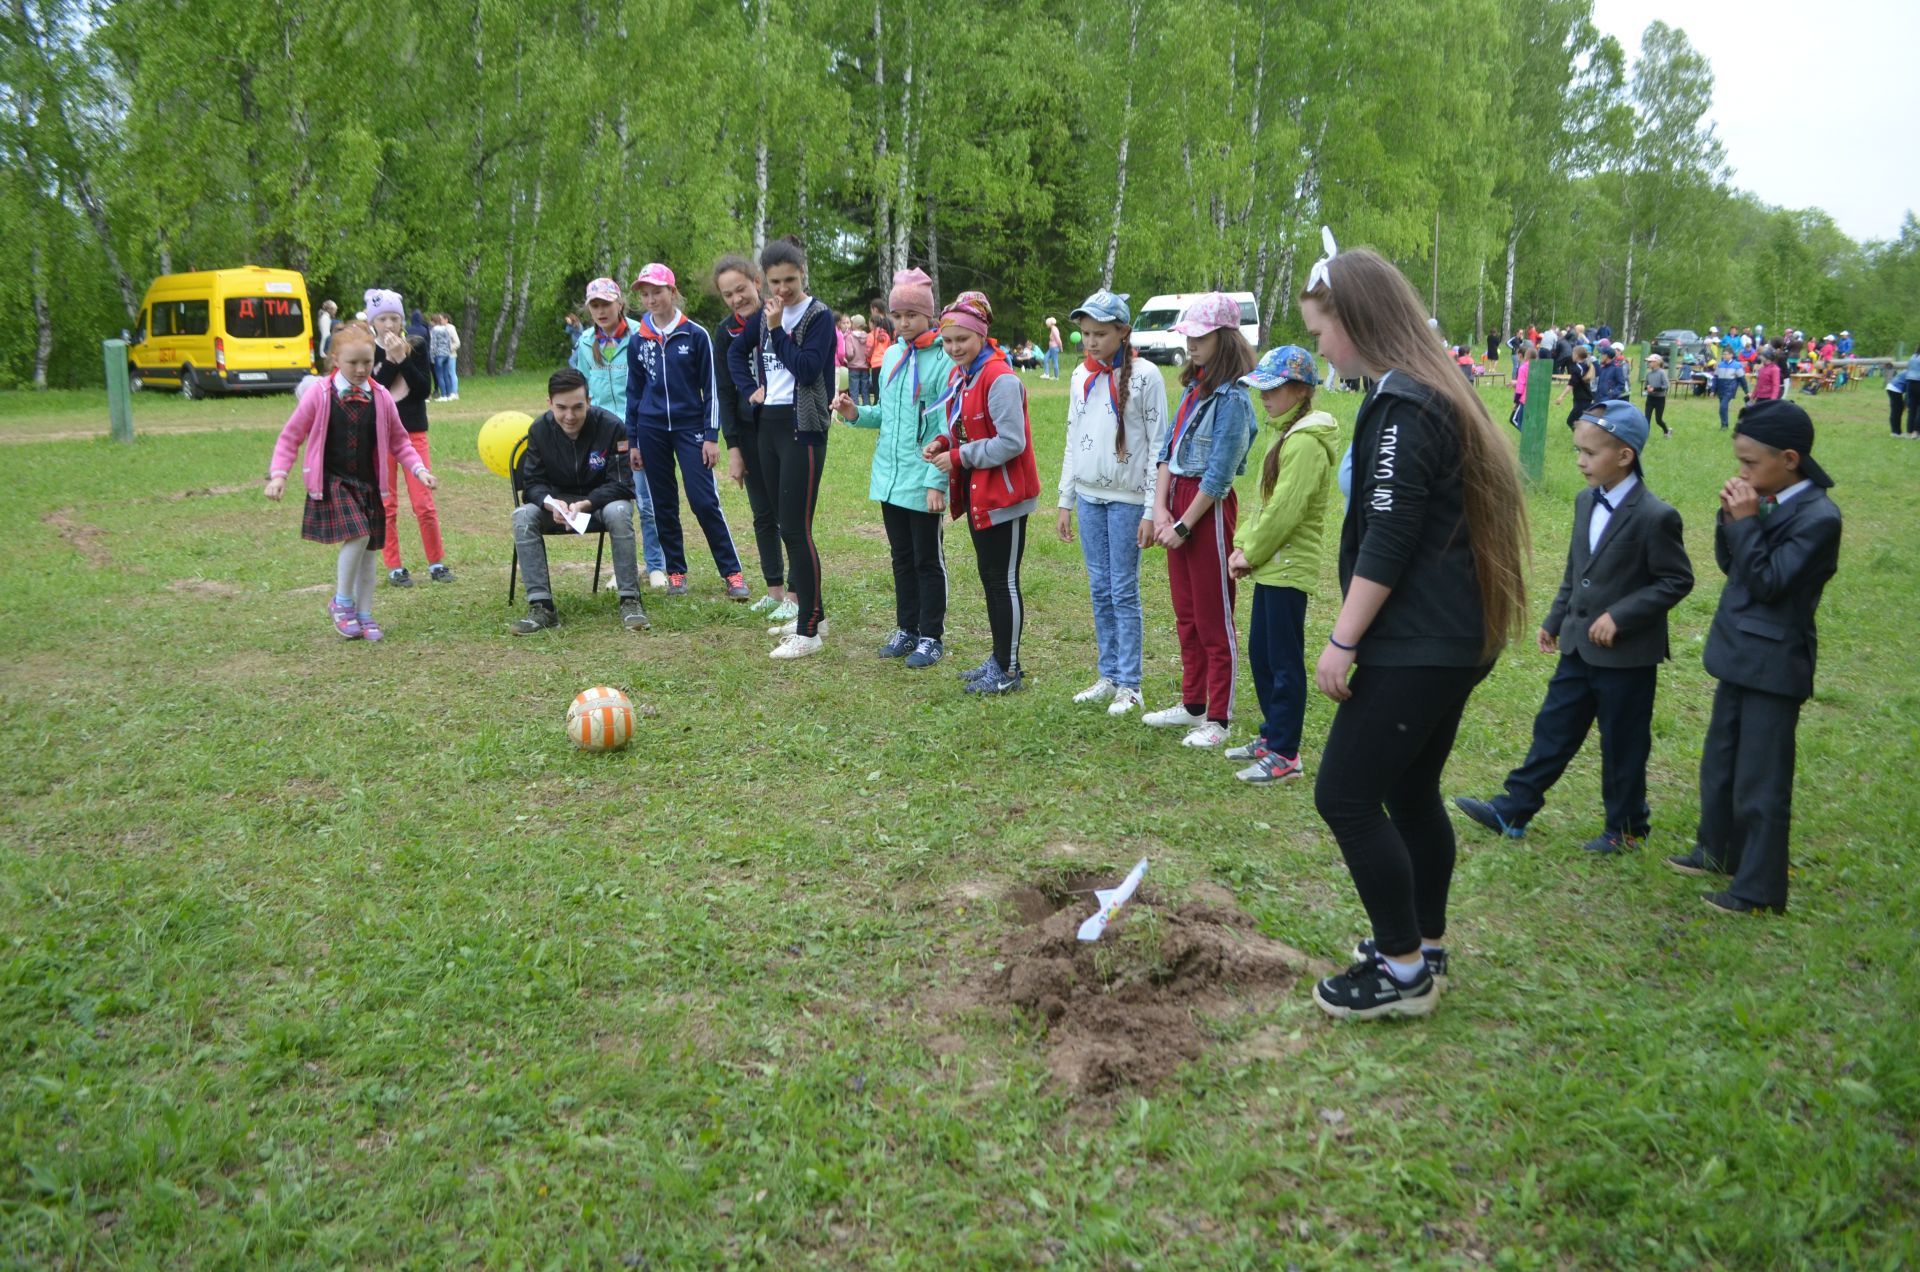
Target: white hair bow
[1319,276]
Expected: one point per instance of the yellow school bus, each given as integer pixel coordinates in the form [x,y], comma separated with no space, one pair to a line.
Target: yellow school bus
[244,330]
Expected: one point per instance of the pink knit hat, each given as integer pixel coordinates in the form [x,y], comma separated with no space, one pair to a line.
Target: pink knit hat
[657,275]
[1209,313]
[970,310]
[604,289]
[912,293]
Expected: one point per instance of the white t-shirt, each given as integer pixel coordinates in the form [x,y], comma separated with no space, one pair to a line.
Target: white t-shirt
[780,381]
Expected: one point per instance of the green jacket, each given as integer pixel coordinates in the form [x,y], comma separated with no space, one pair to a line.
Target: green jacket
[1282,542]
[900,476]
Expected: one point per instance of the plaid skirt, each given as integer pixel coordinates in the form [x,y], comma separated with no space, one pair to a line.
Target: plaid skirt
[350,510]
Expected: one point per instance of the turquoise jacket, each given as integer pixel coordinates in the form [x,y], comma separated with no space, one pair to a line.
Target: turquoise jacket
[900,476]
[606,381]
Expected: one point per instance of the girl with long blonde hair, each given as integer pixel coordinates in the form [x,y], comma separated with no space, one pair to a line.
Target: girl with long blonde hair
[1432,586]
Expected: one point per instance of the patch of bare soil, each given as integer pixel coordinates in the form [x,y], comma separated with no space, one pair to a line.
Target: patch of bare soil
[203,587]
[205,492]
[81,537]
[1128,1009]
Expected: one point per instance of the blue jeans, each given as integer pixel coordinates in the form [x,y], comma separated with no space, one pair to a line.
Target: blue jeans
[1053,363]
[446,375]
[1724,399]
[1276,652]
[650,549]
[1112,552]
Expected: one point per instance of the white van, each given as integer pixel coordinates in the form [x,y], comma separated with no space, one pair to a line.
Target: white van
[1155,340]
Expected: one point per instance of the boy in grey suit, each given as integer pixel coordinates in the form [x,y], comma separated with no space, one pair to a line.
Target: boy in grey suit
[1778,542]
[1626,568]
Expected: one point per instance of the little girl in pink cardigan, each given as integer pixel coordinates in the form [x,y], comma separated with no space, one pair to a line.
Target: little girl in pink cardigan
[348,425]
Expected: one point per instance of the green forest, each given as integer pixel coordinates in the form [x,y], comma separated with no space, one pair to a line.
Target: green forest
[487,157]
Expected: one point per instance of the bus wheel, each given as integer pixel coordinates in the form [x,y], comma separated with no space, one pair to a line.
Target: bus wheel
[190,385]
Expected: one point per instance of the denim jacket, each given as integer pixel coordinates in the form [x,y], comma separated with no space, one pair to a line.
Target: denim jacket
[1215,441]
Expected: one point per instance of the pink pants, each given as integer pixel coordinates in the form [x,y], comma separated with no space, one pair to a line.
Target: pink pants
[423,510]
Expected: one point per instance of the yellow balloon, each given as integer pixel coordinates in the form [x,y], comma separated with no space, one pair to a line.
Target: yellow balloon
[499,435]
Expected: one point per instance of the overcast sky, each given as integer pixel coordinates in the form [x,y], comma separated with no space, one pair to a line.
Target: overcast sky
[1787,79]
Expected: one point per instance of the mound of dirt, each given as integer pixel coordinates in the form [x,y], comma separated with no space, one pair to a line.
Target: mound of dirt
[1126,1010]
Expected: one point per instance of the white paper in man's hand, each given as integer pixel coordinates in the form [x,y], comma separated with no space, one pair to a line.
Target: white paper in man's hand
[576,521]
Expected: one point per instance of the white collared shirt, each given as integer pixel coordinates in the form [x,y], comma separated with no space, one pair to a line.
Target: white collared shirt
[341,384]
[1602,514]
[1792,490]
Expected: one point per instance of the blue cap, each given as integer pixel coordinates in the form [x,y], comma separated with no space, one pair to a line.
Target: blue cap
[1623,420]
[1105,306]
[1279,365]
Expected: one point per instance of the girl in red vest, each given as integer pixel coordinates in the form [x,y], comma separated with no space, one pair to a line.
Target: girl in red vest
[987,454]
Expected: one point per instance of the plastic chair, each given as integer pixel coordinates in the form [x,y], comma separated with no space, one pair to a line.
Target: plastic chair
[519,497]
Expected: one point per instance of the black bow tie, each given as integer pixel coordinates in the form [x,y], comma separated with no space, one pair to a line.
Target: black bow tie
[1600,497]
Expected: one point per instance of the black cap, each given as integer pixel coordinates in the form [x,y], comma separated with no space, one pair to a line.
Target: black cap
[1784,425]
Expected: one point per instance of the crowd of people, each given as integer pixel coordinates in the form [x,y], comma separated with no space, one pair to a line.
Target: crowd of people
[1430,547]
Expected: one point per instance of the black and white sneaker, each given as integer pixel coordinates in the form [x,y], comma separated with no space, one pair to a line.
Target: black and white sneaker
[1365,952]
[1368,991]
[633,615]
[900,644]
[399,578]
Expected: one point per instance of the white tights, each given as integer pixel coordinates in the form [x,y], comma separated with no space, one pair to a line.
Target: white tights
[356,574]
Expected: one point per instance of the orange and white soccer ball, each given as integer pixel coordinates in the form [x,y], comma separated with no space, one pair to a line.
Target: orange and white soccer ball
[600,719]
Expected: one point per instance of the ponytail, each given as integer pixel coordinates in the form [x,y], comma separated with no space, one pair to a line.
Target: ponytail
[1122,374]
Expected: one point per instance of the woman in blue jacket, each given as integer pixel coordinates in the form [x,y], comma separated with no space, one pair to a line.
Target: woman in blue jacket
[673,414]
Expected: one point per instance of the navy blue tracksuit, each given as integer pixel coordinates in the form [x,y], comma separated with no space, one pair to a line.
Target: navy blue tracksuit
[673,407]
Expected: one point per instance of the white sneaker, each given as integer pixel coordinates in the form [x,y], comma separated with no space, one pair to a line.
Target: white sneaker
[792,627]
[1099,691]
[798,647]
[1124,700]
[1210,734]
[657,579]
[1174,717]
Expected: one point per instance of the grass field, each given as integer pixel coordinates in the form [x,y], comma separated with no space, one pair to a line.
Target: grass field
[322,954]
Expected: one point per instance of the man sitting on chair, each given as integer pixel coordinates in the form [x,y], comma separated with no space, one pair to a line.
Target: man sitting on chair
[576,454]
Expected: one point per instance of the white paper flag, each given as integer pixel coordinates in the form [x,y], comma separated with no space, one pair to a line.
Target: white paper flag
[1111,899]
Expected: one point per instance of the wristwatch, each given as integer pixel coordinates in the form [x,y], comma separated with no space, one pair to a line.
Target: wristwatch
[1182,529]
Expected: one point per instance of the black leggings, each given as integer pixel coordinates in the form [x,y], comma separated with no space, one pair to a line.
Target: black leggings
[919,570]
[999,549]
[793,462]
[1896,406]
[766,522]
[1379,793]
[1657,410]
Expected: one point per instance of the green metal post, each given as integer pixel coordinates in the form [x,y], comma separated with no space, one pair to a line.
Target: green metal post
[119,396]
[1533,419]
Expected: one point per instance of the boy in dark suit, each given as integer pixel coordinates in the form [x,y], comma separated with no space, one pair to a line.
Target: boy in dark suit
[1778,542]
[1626,567]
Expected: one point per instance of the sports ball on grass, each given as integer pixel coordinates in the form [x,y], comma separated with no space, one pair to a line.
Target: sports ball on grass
[499,435]
[600,719]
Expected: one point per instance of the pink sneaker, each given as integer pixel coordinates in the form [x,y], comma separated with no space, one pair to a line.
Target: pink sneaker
[369,629]
[344,621]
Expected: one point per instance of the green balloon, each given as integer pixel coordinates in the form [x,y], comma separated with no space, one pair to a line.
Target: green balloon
[1076,337]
